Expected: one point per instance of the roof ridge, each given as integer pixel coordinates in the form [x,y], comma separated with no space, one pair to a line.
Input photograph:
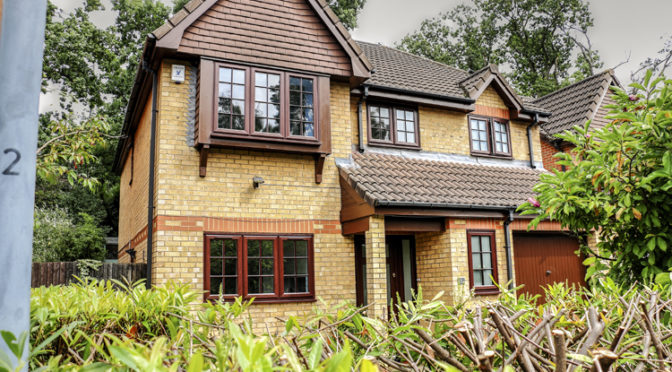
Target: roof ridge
[413,55]
[607,71]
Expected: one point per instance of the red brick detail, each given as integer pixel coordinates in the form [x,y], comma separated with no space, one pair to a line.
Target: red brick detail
[494,112]
[521,225]
[248,225]
[137,239]
[547,152]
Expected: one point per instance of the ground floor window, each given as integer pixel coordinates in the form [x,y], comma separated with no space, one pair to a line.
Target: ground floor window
[482,261]
[268,268]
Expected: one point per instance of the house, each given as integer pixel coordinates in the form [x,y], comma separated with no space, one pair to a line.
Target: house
[266,154]
[574,105]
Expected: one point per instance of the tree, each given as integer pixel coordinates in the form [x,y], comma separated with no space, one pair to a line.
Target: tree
[618,184]
[347,11]
[544,43]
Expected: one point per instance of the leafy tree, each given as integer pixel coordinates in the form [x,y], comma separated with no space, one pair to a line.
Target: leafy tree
[57,237]
[618,184]
[347,11]
[544,43]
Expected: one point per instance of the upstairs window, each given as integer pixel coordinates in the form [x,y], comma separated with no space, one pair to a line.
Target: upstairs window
[489,136]
[268,268]
[482,261]
[251,102]
[394,126]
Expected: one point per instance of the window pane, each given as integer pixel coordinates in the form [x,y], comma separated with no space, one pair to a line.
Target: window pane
[485,244]
[308,100]
[253,266]
[302,266]
[230,249]
[295,128]
[483,136]
[481,125]
[216,266]
[260,79]
[274,111]
[238,92]
[476,261]
[307,85]
[239,122]
[375,111]
[409,115]
[274,81]
[225,90]
[215,284]
[224,106]
[260,110]
[216,248]
[290,286]
[475,244]
[230,286]
[400,114]
[259,124]
[308,114]
[288,266]
[260,94]
[410,137]
[487,280]
[401,137]
[273,126]
[295,114]
[302,248]
[267,248]
[253,284]
[308,130]
[238,107]
[294,83]
[478,278]
[288,248]
[505,148]
[267,266]
[267,285]
[487,261]
[225,74]
[238,76]
[302,284]
[295,98]
[274,95]
[230,266]
[224,121]
[253,248]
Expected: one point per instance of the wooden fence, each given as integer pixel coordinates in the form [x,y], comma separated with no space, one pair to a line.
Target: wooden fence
[55,273]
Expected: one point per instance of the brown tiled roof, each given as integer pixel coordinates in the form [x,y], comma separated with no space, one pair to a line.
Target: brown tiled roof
[400,70]
[576,103]
[383,179]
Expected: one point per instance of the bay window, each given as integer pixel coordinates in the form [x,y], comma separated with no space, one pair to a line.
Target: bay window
[268,268]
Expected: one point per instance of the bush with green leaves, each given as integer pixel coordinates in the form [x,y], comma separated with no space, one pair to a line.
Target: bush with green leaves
[618,184]
[110,326]
[58,237]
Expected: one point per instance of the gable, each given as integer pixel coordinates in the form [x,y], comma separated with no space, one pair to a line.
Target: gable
[600,120]
[287,34]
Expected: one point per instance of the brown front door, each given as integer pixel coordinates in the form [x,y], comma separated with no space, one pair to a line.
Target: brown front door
[541,260]
[400,267]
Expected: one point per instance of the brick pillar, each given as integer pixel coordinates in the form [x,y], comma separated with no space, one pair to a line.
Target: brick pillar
[376,271]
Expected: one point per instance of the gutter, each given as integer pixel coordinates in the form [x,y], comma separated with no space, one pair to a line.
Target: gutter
[507,249]
[360,125]
[387,203]
[152,154]
[463,100]
[529,139]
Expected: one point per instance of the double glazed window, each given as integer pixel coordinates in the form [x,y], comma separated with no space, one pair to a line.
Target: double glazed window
[266,103]
[265,267]
[489,136]
[482,261]
[393,125]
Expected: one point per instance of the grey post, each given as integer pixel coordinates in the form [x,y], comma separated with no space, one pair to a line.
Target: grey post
[21,46]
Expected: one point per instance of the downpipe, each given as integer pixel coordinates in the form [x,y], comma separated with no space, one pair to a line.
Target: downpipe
[507,249]
[535,121]
[360,118]
[152,153]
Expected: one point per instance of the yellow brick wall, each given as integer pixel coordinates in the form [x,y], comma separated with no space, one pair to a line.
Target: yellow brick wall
[288,194]
[133,197]
[490,98]
[376,269]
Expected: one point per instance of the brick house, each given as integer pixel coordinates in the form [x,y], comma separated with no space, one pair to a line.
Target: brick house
[266,154]
[575,105]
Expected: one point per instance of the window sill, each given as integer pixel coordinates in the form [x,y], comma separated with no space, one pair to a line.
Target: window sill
[394,146]
[491,156]
[486,291]
[274,300]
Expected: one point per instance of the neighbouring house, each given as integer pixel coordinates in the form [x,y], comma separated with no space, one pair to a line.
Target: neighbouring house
[266,154]
[574,105]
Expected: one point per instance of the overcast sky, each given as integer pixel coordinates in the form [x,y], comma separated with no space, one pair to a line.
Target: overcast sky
[622,28]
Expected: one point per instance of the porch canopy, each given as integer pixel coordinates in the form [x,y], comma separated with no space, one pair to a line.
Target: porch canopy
[419,189]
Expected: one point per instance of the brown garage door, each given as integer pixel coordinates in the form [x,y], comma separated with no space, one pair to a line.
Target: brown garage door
[542,259]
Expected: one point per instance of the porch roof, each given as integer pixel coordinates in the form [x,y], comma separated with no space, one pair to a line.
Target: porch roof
[384,180]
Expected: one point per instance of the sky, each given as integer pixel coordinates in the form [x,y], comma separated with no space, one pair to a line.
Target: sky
[624,30]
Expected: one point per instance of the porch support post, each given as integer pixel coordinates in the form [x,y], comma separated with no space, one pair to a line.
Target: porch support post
[376,272]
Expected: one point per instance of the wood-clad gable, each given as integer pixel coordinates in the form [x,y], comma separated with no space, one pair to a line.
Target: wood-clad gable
[285,34]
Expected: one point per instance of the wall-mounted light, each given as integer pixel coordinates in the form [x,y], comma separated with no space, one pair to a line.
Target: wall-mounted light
[131,252]
[257,181]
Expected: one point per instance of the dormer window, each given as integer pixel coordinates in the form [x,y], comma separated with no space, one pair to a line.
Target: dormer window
[266,103]
[489,136]
[393,126]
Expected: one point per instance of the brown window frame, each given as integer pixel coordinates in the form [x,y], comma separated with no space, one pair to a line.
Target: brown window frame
[483,289]
[249,132]
[278,295]
[393,142]
[490,128]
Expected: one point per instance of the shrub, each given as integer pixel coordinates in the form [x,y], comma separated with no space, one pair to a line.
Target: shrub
[56,237]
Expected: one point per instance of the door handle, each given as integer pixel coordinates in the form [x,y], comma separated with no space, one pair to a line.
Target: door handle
[548,272]
[394,275]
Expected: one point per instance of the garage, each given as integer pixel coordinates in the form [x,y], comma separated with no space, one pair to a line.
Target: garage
[543,259]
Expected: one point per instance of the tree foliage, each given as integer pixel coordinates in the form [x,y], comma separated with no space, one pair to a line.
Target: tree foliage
[545,44]
[59,237]
[618,184]
[347,11]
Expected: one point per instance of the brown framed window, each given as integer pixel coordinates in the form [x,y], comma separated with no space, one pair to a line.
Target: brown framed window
[232,87]
[489,136]
[482,261]
[397,126]
[251,103]
[271,268]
